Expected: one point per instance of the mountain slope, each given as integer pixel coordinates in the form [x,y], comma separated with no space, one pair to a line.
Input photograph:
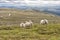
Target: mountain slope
[24,15]
[10,29]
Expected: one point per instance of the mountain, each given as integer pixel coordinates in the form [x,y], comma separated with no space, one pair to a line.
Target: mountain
[50,9]
[10,25]
[18,16]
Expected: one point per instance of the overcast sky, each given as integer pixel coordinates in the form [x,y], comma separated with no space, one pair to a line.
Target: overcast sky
[30,2]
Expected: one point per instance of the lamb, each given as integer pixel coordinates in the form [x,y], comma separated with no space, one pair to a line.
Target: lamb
[45,21]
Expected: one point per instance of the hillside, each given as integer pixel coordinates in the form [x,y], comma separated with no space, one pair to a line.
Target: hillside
[10,29]
[24,15]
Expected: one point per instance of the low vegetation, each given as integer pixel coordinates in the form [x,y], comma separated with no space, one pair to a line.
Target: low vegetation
[10,29]
[36,32]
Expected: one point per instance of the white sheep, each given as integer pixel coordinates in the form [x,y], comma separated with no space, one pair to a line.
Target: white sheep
[42,22]
[31,23]
[9,14]
[22,24]
[1,16]
[45,21]
[28,24]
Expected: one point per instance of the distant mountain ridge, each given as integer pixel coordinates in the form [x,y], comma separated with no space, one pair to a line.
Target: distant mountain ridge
[53,9]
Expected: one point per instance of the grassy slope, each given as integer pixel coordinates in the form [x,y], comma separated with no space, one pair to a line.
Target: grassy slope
[36,32]
[22,15]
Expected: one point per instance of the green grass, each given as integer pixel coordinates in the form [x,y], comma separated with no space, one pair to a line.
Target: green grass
[36,32]
[10,29]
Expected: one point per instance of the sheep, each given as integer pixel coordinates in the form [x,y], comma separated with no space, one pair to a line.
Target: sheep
[1,16]
[45,21]
[9,14]
[42,22]
[22,24]
[28,24]
[31,23]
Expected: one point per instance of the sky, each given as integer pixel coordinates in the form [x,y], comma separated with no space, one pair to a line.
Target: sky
[29,2]
[50,4]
